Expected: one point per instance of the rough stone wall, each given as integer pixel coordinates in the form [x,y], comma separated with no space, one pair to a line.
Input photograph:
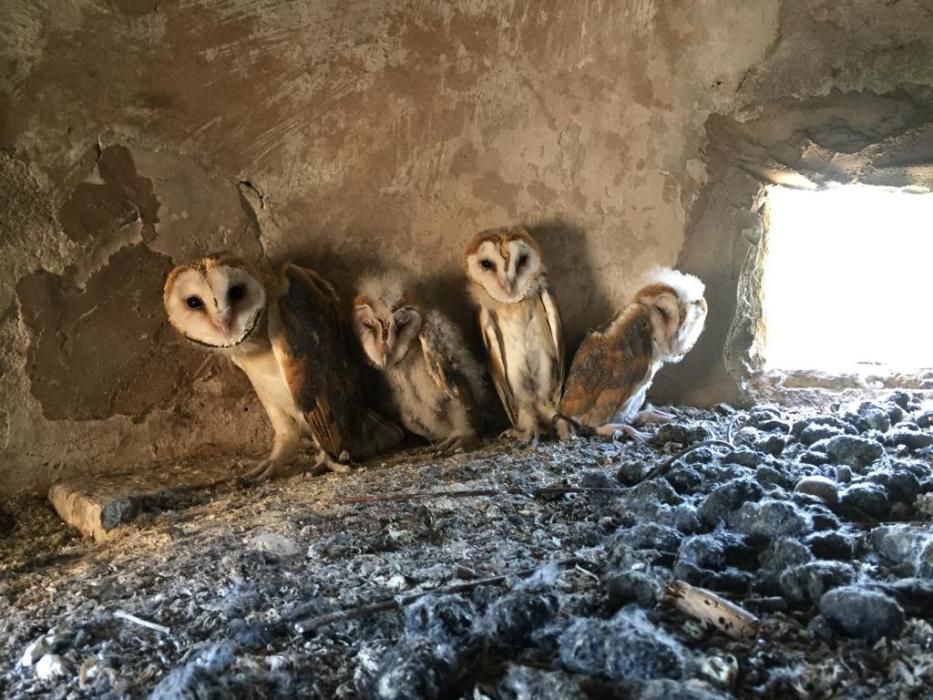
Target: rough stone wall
[375,131]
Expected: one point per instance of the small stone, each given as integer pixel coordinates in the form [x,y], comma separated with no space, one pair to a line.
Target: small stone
[527,683]
[782,554]
[831,545]
[771,476]
[865,499]
[924,420]
[651,536]
[627,587]
[814,457]
[727,498]
[823,518]
[276,544]
[875,417]
[901,485]
[770,518]
[447,619]
[862,613]
[512,619]
[851,450]
[912,439]
[806,583]
[901,544]
[843,474]
[631,473]
[51,666]
[815,433]
[744,457]
[819,486]
[680,434]
[626,647]
[36,649]
[414,669]
[800,426]
[900,399]
[771,444]
[773,425]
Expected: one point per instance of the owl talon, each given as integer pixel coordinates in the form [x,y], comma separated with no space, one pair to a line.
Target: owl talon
[264,471]
[653,415]
[626,431]
[334,465]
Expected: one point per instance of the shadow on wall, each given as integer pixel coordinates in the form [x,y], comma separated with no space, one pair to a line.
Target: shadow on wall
[572,272]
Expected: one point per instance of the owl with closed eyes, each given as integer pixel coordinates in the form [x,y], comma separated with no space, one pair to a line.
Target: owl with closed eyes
[284,329]
[521,329]
[436,385]
[613,369]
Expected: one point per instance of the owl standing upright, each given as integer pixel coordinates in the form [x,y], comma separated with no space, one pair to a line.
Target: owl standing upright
[613,369]
[521,329]
[284,330]
[436,384]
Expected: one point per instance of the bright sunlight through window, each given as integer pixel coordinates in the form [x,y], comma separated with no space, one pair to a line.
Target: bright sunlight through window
[848,280]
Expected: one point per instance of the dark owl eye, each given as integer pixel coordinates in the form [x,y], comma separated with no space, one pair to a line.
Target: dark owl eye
[401,323]
[194,302]
[236,292]
[664,314]
[522,260]
[486,264]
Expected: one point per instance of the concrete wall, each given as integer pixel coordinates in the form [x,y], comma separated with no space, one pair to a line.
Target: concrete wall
[374,131]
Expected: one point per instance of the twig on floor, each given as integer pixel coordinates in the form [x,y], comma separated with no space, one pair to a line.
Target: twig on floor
[123,615]
[659,470]
[711,609]
[732,423]
[310,624]
[664,466]
[515,491]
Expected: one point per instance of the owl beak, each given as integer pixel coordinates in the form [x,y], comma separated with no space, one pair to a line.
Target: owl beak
[225,322]
[506,286]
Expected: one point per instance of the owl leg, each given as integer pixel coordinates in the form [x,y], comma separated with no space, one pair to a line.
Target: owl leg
[454,445]
[285,444]
[335,465]
[283,452]
[653,415]
[620,431]
[558,423]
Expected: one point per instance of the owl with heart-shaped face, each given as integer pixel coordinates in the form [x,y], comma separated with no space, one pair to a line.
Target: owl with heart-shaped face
[284,329]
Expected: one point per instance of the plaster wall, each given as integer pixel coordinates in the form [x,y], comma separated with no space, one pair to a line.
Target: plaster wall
[374,132]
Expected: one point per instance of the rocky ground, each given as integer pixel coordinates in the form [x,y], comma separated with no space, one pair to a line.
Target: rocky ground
[819,524]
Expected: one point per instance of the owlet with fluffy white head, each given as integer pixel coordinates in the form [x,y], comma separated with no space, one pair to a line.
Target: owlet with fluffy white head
[436,384]
[521,329]
[284,330]
[616,363]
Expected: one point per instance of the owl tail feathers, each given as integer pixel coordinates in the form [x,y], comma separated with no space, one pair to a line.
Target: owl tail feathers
[376,435]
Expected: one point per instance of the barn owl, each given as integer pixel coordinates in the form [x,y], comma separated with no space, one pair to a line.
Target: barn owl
[283,329]
[521,329]
[436,384]
[613,368]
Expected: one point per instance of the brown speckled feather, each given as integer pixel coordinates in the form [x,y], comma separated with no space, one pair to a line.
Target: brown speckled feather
[610,366]
[309,339]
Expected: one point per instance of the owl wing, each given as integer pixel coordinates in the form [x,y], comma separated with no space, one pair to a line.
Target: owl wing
[492,339]
[611,365]
[309,340]
[448,377]
[557,335]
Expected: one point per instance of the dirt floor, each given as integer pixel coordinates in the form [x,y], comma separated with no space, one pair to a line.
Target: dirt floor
[818,524]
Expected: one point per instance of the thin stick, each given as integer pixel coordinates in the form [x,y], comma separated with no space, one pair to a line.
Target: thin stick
[708,607]
[530,493]
[310,624]
[123,615]
[665,466]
